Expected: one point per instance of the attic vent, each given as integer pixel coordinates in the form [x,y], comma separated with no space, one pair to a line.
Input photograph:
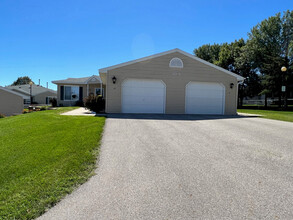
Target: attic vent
[176,62]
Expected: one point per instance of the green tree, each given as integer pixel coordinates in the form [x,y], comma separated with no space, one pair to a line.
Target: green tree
[208,52]
[268,48]
[22,81]
[227,56]
[229,53]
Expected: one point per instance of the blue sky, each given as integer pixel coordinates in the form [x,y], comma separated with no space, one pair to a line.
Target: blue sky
[51,40]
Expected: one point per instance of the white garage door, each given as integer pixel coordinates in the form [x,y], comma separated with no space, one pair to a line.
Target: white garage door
[143,96]
[205,98]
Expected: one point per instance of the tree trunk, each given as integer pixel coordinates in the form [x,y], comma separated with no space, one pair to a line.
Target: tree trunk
[266,101]
[285,100]
[241,101]
[240,97]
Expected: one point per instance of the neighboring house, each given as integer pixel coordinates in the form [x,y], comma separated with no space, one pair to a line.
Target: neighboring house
[172,82]
[71,91]
[40,94]
[11,103]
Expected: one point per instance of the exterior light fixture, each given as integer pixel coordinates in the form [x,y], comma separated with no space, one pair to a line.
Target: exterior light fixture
[283,88]
[114,79]
[231,85]
[283,69]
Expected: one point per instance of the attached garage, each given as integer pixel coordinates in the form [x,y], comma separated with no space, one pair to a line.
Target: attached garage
[143,96]
[205,98]
[172,82]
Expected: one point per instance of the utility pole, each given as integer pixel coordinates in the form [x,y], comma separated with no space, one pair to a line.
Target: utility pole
[31,92]
[283,89]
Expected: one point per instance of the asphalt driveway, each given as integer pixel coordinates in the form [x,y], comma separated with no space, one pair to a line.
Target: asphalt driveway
[181,167]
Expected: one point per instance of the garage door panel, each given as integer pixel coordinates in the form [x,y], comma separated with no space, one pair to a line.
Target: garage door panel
[135,91]
[133,108]
[143,96]
[137,83]
[205,98]
[136,100]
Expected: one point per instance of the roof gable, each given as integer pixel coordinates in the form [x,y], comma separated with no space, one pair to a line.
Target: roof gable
[82,80]
[105,70]
[14,92]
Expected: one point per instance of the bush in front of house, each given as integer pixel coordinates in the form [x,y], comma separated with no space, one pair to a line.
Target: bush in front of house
[25,111]
[79,103]
[43,108]
[2,116]
[95,103]
[53,102]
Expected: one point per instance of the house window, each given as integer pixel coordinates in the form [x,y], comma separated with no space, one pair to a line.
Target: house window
[100,91]
[176,62]
[71,93]
[26,101]
[49,99]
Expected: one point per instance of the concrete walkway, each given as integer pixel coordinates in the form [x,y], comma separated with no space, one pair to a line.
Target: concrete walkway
[80,112]
[187,168]
[248,115]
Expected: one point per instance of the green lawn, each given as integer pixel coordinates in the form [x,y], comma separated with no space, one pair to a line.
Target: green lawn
[277,115]
[44,156]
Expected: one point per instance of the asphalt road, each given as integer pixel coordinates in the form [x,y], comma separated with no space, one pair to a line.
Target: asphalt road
[181,167]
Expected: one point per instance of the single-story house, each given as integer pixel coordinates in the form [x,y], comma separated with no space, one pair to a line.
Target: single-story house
[11,102]
[40,94]
[71,91]
[171,82]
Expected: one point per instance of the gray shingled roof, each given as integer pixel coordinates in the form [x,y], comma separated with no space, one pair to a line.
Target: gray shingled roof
[25,89]
[83,80]
[14,92]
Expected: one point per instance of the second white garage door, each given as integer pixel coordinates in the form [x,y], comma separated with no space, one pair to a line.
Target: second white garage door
[205,98]
[143,96]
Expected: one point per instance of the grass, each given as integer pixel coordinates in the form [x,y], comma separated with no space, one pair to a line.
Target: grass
[43,157]
[276,115]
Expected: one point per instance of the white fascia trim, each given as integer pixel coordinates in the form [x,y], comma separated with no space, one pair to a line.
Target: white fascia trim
[105,70]
[239,78]
[75,83]
[93,77]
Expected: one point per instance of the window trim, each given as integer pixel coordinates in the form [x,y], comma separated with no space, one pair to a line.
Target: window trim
[70,100]
[176,58]
[102,91]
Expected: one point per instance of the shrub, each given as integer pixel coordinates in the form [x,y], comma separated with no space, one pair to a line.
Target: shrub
[95,103]
[53,102]
[43,108]
[24,111]
[79,103]
[2,116]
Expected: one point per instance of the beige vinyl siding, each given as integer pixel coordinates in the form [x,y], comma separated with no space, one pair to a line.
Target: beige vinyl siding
[175,79]
[41,98]
[10,104]
[92,88]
